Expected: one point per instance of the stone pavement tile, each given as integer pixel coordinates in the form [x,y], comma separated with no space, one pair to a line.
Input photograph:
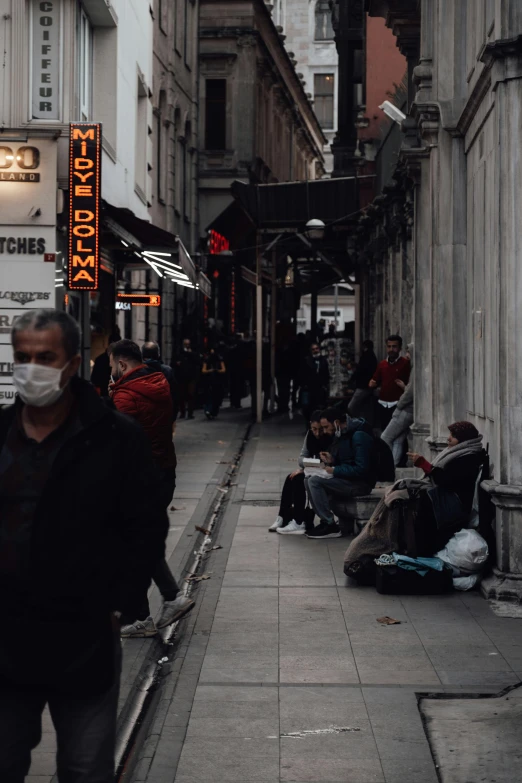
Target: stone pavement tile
[235,712]
[38,779]
[496,680]
[409,770]
[342,758]
[389,676]
[464,657]
[336,642]
[221,760]
[243,670]
[43,763]
[318,668]
[309,709]
[250,579]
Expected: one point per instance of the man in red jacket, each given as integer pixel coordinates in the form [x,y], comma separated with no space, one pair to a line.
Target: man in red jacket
[388,376]
[143,393]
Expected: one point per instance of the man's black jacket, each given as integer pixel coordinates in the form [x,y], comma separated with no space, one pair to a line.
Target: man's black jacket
[95,537]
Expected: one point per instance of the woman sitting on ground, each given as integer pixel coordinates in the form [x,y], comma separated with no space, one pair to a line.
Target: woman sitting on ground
[293,517]
[417,517]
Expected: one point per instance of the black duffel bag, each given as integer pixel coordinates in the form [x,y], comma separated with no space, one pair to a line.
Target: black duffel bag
[392,580]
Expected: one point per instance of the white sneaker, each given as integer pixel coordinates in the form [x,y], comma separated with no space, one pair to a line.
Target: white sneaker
[292,529]
[175,610]
[139,630]
[277,524]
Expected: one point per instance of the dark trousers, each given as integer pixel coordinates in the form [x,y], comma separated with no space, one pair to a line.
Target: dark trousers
[85,730]
[187,397]
[384,416]
[214,398]
[237,388]
[283,393]
[161,574]
[293,499]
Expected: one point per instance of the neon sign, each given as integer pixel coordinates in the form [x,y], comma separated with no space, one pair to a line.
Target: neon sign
[84,206]
[139,300]
[217,243]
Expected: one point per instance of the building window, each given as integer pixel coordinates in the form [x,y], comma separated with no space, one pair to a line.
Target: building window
[187,172]
[216,114]
[85,64]
[323,21]
[162,157]
[141,140]
[324,99]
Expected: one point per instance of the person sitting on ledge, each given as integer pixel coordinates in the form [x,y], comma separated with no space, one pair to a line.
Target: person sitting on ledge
[417,517]
[294,518]
[351,463]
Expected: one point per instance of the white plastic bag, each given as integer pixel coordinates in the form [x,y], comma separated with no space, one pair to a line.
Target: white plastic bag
[467,551]
[466,582]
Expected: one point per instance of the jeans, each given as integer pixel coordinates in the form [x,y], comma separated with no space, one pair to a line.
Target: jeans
[396,433]
[321,491]
[293,499]
[85,730]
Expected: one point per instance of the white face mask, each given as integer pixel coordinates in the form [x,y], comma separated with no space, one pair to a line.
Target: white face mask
[38,385]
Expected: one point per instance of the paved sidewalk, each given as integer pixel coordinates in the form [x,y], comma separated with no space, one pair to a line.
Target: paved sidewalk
[286,676]
[201,446]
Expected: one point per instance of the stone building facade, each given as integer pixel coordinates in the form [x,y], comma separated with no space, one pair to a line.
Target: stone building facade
[309,40]
[174,194]
[438,253]
[256,122]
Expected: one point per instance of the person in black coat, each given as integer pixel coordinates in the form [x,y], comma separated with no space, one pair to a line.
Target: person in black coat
[152,358]
[359,381]
[187,368]
[80,531]
[315,381]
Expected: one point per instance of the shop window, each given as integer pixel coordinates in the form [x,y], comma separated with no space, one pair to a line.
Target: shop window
[85,65]
[216,114]
[323,21]
[324,99]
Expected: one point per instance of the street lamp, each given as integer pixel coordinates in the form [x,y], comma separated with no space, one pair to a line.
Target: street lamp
[315,229]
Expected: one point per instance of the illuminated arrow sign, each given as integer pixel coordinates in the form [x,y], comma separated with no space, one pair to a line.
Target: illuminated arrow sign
[84,206]
[139,300]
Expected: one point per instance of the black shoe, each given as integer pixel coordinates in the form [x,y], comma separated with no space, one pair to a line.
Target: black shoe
[325,530]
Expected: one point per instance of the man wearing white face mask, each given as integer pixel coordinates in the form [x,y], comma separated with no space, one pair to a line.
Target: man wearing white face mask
[76,551]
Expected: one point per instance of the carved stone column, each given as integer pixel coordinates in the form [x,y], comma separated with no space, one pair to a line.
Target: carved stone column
[506,490]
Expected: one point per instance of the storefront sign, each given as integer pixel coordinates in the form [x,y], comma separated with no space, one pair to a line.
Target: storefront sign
[84,206]
[217,243]
[32,246]
[46,53]
[26,284]
[18,164]
[137,300]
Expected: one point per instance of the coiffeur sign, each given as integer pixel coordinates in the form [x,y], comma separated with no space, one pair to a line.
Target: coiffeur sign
[84,206]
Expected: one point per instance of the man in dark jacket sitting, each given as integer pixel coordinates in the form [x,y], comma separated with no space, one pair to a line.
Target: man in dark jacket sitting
[350,465]
[80,531]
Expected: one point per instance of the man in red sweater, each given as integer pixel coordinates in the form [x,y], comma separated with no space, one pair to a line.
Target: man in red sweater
[391,376]
[145,395]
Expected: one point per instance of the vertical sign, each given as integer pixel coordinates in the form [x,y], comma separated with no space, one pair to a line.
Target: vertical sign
[46,18]
[84,206]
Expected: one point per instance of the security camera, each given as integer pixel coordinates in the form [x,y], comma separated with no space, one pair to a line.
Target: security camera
[393,112]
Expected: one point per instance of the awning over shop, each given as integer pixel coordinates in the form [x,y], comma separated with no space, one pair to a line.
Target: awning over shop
[142,243]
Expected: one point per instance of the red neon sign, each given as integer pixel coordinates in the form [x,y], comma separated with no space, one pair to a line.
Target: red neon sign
[217,243]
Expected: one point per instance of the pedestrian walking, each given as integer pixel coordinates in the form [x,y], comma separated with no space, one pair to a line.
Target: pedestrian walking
[396,433]
[394,367]
[152,358]
[188,371]
[144,394]
[77,549]
[213,373]
[362,398]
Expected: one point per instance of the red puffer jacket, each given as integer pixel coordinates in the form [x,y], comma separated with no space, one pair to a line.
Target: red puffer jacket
[145,395]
